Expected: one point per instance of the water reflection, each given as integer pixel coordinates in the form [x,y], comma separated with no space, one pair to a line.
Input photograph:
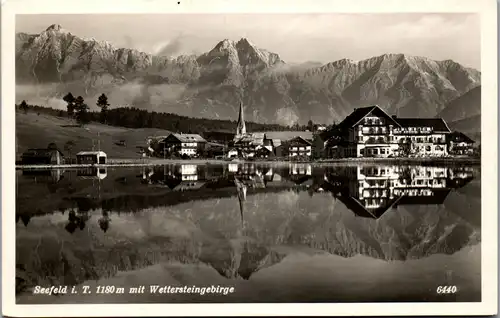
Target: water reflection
[240,219]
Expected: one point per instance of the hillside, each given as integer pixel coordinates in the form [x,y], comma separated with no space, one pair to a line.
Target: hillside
[37,131]
[54,62]
[464,113]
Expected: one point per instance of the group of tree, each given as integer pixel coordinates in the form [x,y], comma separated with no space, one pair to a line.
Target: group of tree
[140,118]
[77,108]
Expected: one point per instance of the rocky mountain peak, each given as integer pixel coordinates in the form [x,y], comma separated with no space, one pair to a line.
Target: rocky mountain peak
[55,27]
[277,92]
[224,45]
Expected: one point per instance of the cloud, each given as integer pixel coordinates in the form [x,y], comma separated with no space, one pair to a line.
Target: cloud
[286,116]
[169,48]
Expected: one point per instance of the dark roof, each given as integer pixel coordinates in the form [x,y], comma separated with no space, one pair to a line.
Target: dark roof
[457,136]
[300,139]
[437,124]
[352,119]
[41,152]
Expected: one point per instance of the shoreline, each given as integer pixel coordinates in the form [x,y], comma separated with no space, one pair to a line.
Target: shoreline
[155,162]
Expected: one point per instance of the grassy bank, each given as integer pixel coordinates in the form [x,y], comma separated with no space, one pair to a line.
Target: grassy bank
[33,131]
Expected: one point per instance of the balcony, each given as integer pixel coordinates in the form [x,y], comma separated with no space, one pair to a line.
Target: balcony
[374,131]
[376,140]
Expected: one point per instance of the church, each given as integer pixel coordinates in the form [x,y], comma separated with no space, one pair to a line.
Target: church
[249,145]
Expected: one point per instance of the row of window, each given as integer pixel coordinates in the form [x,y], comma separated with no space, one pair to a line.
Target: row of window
[400,139]
[412,130]
[188,144]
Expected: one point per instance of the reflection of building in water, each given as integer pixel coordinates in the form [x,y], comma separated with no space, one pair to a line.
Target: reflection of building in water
[242,195]
[300,173]
[371,190]
[252,175]
[176,177]
[92,173]
[44,176]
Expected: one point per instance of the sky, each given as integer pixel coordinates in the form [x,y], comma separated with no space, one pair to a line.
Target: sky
[297,38]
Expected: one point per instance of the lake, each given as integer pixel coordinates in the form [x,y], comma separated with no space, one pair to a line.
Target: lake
[274,233]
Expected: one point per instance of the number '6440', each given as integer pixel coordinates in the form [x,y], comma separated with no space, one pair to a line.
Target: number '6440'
[446,289]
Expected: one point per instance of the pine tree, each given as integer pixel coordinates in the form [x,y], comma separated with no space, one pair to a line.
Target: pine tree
[70,100]
[102,102]
[310,125]
[81,109]
[24,106]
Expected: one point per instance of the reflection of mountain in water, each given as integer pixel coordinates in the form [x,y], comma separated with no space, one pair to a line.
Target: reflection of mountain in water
[405,211]
[240,256]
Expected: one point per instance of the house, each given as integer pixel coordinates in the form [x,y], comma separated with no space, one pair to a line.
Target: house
[91,157]
[426,135]
[460,144]
[42,156]
[299,147]
[277,147]
[249,143]
[264,152]
[371,132]
[182,144]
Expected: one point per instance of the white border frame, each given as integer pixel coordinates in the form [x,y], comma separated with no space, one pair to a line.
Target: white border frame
[488,12]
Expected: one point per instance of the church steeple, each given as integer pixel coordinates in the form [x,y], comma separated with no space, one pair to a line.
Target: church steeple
[241,128]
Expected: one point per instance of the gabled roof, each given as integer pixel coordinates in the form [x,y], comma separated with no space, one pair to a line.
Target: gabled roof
[189,137]
[300,139]
[437,124]
[360,113]
[354,118]
[254,138]
[457,136]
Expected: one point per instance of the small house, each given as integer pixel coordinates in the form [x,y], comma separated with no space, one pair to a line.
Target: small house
[42,156]
[183,144]
[298,147]
[460,144]
[91,157]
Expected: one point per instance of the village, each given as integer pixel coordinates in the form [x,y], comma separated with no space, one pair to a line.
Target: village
[368,132]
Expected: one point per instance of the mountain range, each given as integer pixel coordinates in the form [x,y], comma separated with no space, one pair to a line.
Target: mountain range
[211,85]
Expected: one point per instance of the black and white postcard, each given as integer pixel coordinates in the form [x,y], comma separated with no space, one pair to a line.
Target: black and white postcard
[188,158]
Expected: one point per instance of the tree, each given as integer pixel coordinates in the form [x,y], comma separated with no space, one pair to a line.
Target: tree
[70,100]
[81,109]
[24,106]
[52,146]
[102,102]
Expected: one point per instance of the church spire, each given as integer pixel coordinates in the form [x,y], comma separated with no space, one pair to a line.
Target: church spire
[241,128]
